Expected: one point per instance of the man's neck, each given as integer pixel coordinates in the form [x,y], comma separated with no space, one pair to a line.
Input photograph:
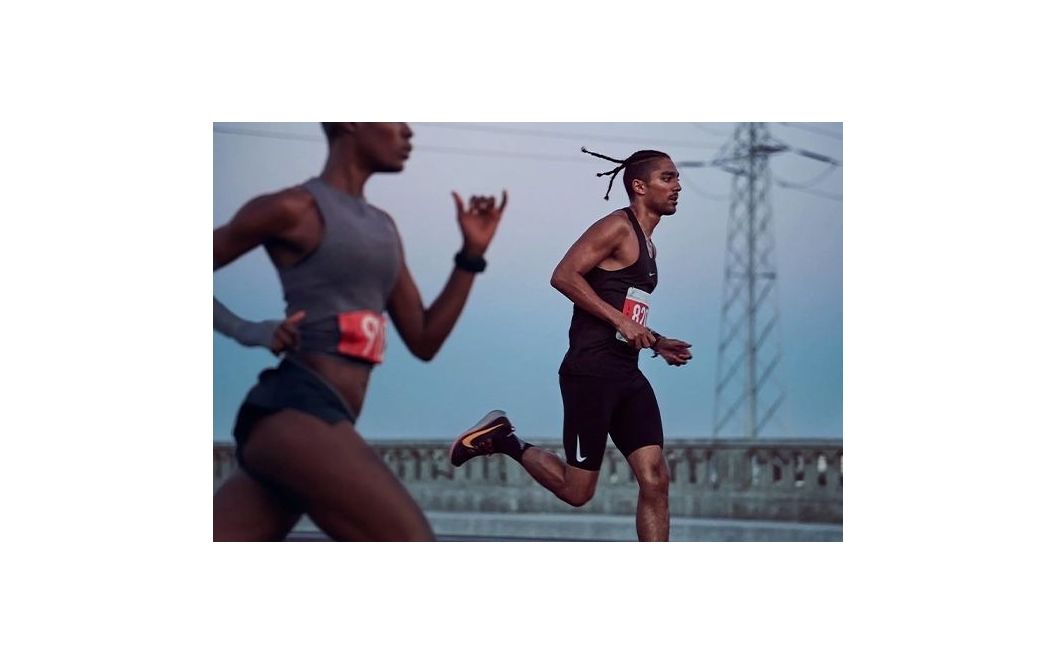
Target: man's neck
[646,217]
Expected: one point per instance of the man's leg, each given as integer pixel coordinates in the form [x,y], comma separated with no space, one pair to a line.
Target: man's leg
[588,409]
[639,435]
[573,485]
[654,518]
[494,433]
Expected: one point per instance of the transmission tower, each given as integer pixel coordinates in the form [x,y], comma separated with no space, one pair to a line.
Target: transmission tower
[747,393]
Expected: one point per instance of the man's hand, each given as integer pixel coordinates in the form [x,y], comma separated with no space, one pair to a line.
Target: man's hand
[479,222]
[675,352]
[286,336]
[637,335]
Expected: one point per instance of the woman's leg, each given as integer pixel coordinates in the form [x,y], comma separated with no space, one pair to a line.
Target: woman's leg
[244,510]
[341,483]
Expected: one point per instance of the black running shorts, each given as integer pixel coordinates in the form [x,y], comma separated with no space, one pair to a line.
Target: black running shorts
[596,408]
[293,386]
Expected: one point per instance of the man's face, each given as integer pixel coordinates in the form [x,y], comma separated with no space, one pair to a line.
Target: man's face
[385,145]
[662,187]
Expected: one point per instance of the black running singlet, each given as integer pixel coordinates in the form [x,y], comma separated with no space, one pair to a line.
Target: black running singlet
[593,346]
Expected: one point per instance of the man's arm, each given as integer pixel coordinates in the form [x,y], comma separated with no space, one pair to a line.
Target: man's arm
[599,242]
[674,351]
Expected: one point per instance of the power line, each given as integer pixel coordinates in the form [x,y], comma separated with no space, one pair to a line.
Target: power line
[479,152]
[638,140]
[814,130]
[709,130]
[813,192]
[473,152]
[815,180]
[816,156]
[265,133]
[728,162]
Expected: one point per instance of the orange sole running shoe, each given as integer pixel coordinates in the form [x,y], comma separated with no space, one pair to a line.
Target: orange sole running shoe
[480,438]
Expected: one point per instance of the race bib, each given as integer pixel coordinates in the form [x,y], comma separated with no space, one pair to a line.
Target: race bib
[362,335]
[635,307]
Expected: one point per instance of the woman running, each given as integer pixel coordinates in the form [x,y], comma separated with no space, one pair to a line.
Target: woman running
[340,262]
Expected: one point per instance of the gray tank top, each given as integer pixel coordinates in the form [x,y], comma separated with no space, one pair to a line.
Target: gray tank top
[344,285]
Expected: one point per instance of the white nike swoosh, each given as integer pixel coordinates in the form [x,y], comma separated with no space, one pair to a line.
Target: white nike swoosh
[579,458]
[652,274]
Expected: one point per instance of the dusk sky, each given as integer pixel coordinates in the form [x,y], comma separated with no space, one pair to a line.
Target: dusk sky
[508,343]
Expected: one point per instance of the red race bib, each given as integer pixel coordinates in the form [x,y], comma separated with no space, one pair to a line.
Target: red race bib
[362,335]
[635,307]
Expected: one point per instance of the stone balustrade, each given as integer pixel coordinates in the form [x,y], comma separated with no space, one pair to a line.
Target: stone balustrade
[797,480]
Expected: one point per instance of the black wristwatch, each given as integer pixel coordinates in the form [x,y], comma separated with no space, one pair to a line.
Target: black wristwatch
[464,261]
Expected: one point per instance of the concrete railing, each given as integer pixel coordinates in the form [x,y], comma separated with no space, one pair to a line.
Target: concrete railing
[777,480]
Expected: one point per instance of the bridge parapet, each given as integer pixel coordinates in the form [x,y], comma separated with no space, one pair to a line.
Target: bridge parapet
[769,479]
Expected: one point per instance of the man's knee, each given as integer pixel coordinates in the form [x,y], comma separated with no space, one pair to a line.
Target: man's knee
[579,496]
[654,478]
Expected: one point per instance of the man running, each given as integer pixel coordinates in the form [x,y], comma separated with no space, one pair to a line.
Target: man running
[608,274]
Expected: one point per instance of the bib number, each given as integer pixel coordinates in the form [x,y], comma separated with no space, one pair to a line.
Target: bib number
[635,307]
[362,335]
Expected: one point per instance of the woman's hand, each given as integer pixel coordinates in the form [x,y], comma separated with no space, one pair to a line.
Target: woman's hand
[478,222]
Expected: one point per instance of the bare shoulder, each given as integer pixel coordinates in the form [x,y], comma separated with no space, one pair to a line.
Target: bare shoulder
[277,211]
[613,226]
[292,201]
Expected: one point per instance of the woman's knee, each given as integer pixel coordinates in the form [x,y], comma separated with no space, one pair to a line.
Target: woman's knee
[245,510]
[400,528]
[414,531]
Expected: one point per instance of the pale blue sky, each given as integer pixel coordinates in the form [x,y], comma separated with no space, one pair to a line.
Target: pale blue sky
[506,348]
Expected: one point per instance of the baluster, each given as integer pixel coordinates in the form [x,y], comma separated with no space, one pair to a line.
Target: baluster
[404,457]
[712,471]
[695,461]
[810,471]
[439,466]
[610,473]
[740,470]
[799,469]
[824,470]
[625,470]
[758,465]
[674,458]
[780,469]
[839,467]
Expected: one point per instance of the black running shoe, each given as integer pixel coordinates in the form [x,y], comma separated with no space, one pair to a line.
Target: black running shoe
[481,437]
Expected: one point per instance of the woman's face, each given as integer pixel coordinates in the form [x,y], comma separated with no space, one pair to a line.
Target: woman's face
[384,145]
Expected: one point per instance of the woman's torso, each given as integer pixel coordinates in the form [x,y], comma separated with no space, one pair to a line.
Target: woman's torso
[341,273]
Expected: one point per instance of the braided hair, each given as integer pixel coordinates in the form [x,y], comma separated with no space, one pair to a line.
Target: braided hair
[634,167]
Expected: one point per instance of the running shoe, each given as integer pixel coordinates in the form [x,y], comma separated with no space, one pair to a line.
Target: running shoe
[481,437]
